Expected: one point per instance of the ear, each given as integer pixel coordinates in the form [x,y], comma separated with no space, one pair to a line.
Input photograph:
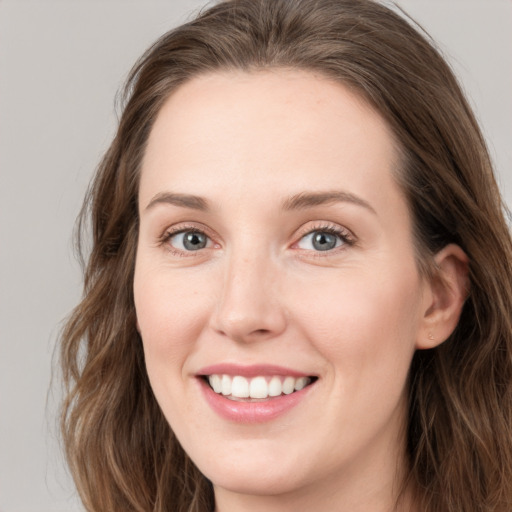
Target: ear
[444,297]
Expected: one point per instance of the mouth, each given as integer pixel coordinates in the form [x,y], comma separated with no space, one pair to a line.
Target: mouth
[258,388]
[256,393]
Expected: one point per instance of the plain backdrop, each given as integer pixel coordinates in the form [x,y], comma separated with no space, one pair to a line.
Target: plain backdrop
[61,64]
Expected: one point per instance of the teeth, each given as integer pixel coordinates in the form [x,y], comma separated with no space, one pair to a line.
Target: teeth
[275,388]
[226,385]
[240,387]
[288,385]
[216,383]
[257,387]
[301,383]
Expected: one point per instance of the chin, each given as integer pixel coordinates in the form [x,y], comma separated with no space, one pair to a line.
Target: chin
[262,470]
[256,481]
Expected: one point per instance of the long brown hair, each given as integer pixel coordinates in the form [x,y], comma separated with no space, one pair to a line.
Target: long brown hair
[122,453]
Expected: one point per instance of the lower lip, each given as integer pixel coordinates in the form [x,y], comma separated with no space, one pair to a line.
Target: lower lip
[252,412]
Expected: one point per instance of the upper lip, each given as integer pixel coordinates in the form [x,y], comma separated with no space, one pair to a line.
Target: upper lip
[253,370]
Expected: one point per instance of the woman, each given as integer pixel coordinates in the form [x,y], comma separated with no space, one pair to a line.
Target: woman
[299,288]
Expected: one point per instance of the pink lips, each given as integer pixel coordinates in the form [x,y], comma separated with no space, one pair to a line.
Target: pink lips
[249,371]
[247,411]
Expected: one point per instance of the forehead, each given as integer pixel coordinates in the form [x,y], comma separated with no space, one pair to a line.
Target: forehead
[294,128]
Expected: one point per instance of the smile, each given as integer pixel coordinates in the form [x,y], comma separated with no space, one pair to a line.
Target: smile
[255,393]
[238,387]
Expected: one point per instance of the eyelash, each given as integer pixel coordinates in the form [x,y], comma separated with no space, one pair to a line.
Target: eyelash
[346,237]
[166,237]
[343,234]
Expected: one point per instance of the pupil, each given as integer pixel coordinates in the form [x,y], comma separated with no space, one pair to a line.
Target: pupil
[194,241]
[324,241]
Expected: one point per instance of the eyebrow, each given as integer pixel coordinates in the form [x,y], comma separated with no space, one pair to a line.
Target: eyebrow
[183,200]
[306,200]
[300,201]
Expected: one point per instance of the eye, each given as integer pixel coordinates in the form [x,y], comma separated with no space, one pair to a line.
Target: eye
[190,240]
[324,239]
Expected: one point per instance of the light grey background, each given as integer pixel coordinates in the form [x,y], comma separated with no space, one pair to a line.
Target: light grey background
[61,63]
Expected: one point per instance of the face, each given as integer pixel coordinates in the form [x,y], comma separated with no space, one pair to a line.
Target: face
[276,288]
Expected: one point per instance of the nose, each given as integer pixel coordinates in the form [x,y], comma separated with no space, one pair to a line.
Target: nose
[249,307]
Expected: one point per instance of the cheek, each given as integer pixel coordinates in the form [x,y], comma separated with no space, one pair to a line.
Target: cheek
[364,323]
[365,330]
[171,315]
[167,300]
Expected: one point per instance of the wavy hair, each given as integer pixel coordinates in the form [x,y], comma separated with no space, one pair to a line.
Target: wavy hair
[121,451]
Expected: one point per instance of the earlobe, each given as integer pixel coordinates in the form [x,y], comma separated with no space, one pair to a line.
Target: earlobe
[448,290]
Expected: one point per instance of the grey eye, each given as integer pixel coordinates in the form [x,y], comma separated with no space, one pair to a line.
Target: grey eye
[324,241]
[320,241]
[189,240]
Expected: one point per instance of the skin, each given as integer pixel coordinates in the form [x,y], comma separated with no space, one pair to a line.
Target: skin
[260,292]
